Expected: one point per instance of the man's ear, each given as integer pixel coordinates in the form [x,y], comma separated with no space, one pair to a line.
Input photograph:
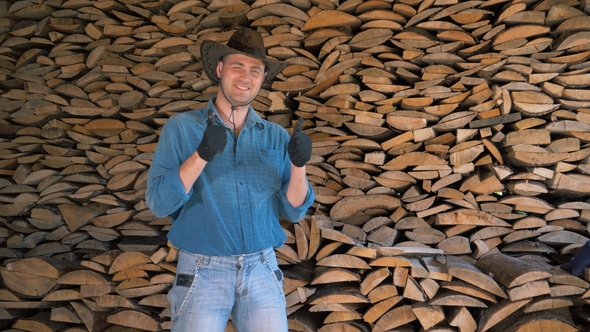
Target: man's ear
[218,68]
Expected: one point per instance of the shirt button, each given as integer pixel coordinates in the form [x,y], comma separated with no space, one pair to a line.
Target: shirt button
[241,183]
[239,163]
[244,204]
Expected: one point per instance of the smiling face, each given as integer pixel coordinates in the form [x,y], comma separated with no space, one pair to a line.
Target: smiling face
[240,78]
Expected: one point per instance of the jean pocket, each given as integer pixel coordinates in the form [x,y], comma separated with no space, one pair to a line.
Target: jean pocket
[179,295]
[279,275]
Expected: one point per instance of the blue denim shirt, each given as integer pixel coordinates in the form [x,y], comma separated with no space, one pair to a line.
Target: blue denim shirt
[235,205]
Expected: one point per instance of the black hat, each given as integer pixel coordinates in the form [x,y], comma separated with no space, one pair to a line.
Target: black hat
[244,41]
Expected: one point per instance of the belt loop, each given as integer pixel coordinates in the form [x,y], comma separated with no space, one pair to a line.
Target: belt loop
[204,259]
[266,254]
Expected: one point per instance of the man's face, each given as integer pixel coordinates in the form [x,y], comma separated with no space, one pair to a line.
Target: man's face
[241,78]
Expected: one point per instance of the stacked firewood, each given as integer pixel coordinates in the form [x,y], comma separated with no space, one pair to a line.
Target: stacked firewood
[450,159]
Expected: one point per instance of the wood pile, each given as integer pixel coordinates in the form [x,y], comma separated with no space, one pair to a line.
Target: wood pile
[450,159]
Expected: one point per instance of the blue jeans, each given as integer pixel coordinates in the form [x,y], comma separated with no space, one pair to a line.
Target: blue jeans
[209,289]
[579,261]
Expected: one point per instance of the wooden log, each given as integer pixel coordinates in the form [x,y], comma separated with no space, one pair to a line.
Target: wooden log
[134,319]
[464,270]
[498,312]
[450,129]
[461,317]
[548,319]
[450,298]
[378,310]
[428,315]
[394,318]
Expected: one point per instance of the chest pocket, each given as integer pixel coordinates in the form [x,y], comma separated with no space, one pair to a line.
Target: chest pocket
[266,166]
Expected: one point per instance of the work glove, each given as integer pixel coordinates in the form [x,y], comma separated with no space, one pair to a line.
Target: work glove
[214,139]
[299,146]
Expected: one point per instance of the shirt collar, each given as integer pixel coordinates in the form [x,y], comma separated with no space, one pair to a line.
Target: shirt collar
[252,119]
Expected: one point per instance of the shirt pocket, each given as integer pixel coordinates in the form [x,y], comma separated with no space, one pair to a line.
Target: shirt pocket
[267,168]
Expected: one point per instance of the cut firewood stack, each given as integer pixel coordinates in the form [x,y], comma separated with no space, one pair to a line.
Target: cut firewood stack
[450,159]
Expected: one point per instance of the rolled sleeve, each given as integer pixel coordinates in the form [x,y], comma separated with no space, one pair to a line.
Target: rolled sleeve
[166,193]
[294,213]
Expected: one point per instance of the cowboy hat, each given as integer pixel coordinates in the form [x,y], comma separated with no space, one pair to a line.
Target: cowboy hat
[243,41]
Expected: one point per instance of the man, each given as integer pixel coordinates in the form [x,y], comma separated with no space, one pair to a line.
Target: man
[226,176]
[579,261]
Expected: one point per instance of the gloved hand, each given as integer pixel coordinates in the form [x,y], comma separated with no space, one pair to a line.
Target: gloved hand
[299,146]
[214,139]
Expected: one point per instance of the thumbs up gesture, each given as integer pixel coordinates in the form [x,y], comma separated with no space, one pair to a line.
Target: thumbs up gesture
[214,139]
[299,146]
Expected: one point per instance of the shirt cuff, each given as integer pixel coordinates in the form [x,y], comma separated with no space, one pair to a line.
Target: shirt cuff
[173,178]
[292,213]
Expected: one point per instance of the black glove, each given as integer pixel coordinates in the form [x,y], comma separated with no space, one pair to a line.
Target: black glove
[214,139]
[299,146]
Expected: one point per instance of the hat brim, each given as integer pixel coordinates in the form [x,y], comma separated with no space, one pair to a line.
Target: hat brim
[212,52]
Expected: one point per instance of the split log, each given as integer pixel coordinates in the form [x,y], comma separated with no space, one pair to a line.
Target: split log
[436,129]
